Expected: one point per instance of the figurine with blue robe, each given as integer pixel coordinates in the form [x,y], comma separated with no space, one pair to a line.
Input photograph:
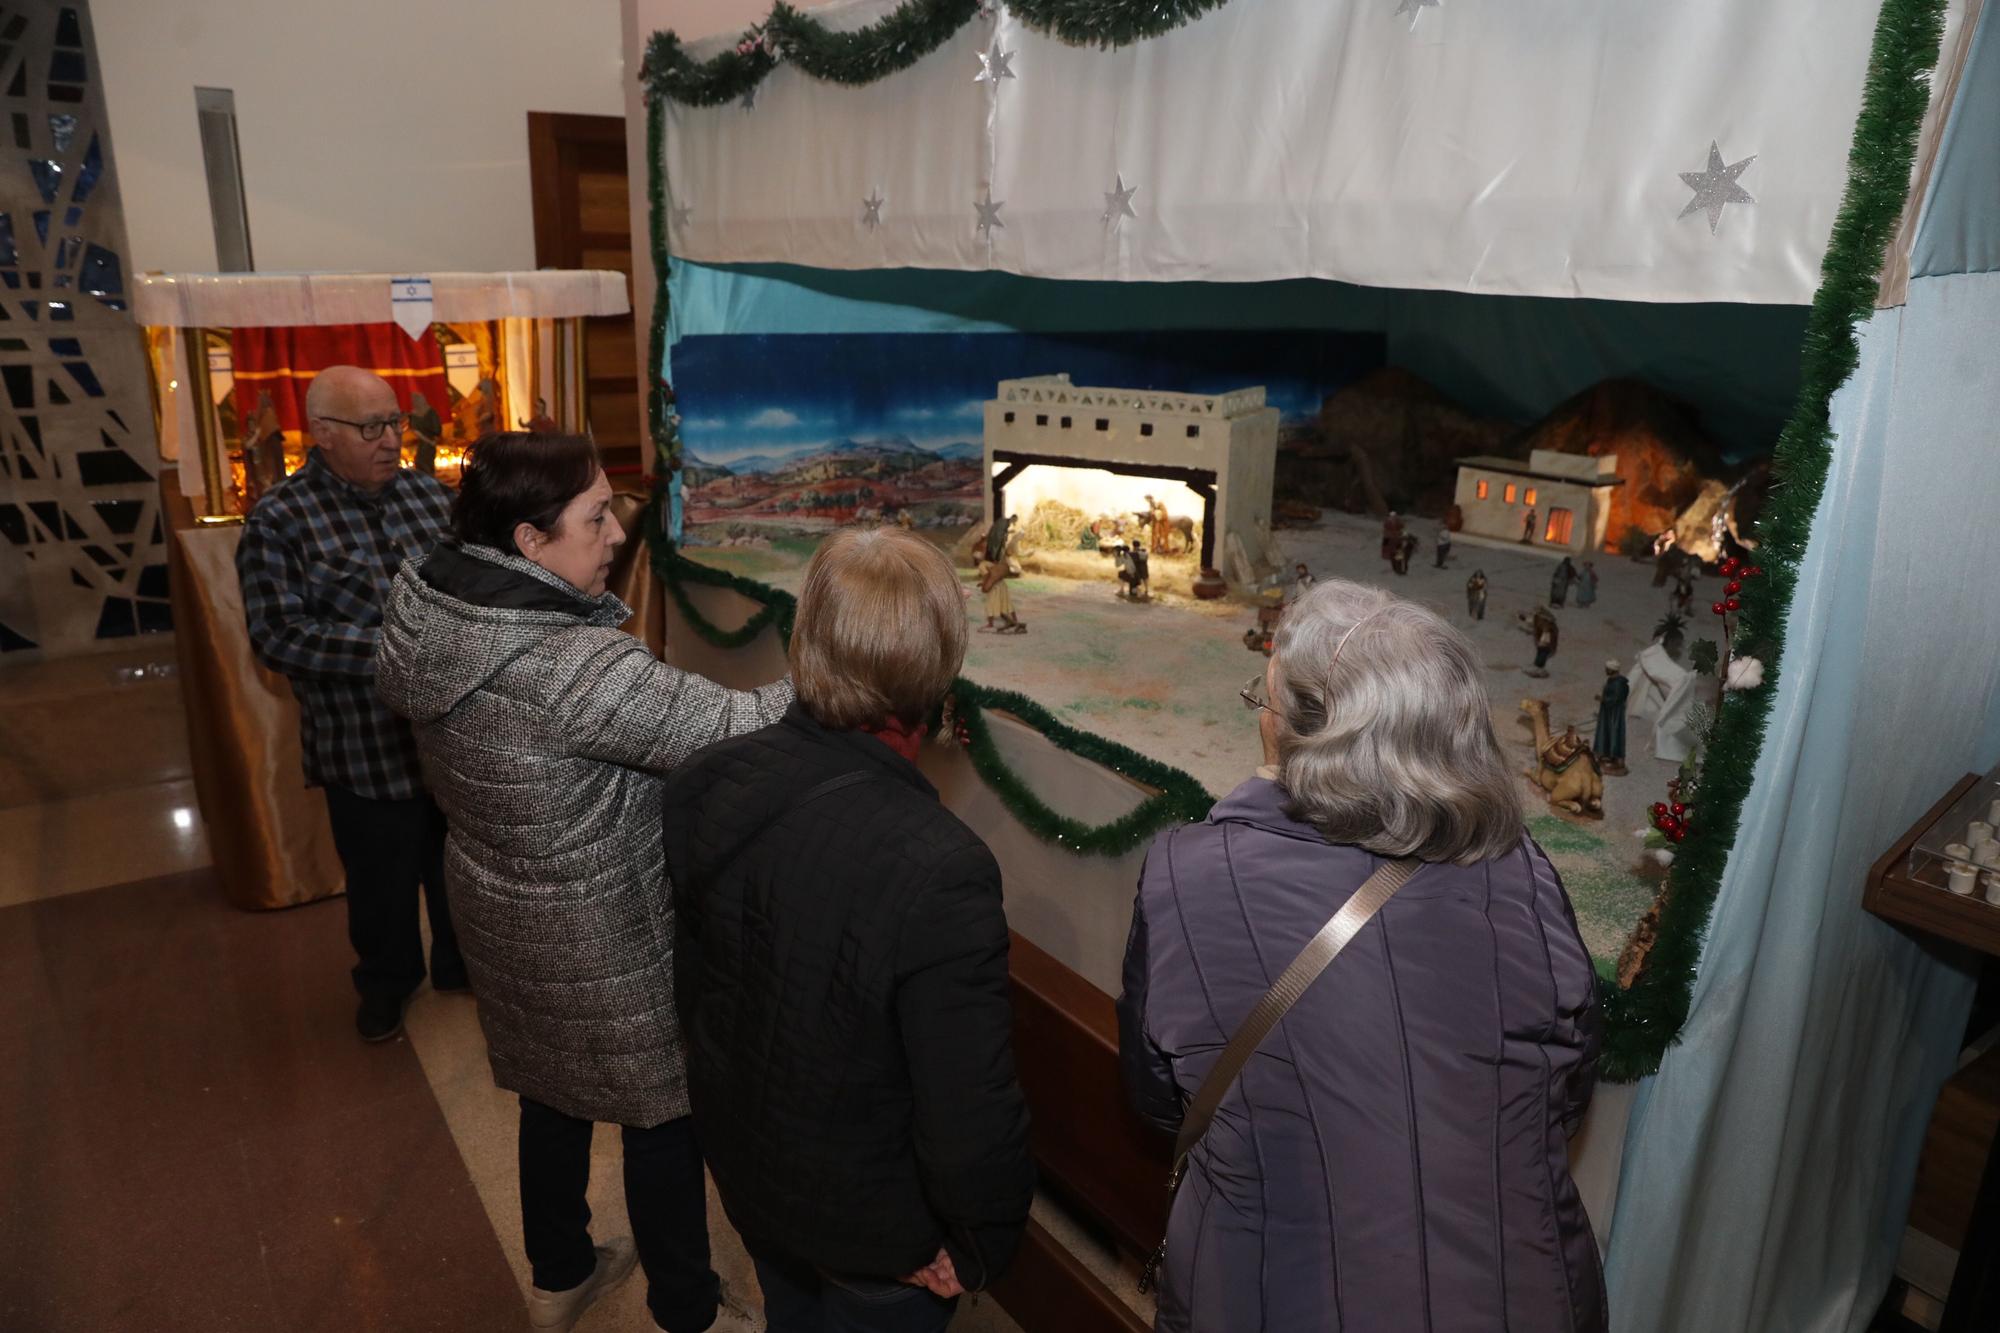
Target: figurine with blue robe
[1610,743]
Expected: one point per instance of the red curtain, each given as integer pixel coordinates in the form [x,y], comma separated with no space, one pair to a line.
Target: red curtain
[283,361]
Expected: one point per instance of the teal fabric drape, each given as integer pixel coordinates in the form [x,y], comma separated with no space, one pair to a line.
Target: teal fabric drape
[1509,357]
[1768,1165]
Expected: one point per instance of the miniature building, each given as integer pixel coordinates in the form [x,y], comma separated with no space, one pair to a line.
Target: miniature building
[1570,495]
[1222,447]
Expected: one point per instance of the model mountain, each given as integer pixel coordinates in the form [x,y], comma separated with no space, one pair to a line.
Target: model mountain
[964,449]
[1668,464]
[1389,440]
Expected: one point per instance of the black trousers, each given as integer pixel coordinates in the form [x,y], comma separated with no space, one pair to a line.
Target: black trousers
[389,849]
[666,1200]
[800,1299]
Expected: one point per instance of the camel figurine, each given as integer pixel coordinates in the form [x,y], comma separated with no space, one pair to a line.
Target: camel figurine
[1565,766]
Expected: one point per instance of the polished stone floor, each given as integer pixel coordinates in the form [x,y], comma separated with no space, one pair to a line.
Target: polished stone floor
[191,1135]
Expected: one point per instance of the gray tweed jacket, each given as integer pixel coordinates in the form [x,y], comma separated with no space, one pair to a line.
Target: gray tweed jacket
[543,731]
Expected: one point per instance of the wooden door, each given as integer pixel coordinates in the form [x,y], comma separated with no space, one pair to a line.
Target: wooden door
[583,219]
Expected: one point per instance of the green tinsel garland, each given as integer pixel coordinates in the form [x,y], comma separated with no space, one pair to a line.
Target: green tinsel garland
[1180,798]
[670,72]
[666,440]
[892,43]
[1644,1020]
[1109,23]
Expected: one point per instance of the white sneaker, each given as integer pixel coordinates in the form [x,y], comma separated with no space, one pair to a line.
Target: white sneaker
[561,1309]
[730,1305]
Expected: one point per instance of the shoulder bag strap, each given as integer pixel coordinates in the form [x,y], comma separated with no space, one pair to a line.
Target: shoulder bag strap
[1321,950]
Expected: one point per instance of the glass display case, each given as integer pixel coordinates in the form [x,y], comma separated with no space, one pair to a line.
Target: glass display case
[231,357]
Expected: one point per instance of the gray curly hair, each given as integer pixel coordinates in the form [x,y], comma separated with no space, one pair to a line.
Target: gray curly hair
[1385,732]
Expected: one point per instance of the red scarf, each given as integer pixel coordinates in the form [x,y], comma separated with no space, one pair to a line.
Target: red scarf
[900,736]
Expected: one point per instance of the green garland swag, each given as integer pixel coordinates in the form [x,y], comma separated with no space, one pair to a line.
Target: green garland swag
[1109,23]
[892,43]
[1644,1020]
[1178,798]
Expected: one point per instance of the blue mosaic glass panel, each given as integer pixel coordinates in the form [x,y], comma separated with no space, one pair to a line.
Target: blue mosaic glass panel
[48,178]
[103,272]
[92,172]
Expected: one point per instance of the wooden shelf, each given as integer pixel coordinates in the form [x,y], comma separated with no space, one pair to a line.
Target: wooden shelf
[1894,895]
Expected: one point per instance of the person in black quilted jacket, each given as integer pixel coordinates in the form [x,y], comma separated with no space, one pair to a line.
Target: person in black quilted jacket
[842,972]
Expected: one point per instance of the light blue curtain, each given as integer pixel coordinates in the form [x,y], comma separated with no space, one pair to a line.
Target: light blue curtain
[1768,1165]
[1961,219]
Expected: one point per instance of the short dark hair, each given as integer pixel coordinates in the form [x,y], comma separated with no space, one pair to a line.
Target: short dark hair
[517,477]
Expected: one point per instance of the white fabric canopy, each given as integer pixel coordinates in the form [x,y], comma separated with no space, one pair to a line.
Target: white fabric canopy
[1531,148]
[288,300]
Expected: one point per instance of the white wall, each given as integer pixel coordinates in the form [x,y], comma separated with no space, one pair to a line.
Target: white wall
[377,135]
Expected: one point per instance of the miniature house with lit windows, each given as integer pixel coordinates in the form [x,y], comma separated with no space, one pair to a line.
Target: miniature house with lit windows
[1209,457]
[1555,502]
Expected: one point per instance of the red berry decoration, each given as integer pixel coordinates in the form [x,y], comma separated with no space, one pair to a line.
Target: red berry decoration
[1659,809]
[1732,605]
[1678,834]
[1735,586]
[1719,607]
[1679,809]
[1753,571]
[1728,567]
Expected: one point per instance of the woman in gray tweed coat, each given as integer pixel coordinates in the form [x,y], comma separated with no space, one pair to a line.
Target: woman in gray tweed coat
[544,730]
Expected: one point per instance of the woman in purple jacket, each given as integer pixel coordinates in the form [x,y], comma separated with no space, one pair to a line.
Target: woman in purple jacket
[1394,1157]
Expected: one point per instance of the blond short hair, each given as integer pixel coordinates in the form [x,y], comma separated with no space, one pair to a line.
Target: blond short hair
[1385,734]
[880,629]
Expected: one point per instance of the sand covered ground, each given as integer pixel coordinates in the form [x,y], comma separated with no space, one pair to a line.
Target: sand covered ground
[1163,677]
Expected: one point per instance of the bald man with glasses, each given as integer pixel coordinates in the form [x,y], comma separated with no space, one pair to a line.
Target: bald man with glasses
[319,551]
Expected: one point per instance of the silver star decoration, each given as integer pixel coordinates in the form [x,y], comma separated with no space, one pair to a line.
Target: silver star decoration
[1118,201]
[1716,187]
[994,65]
[749,101]
[1415,7]
[871,210]
[989,215]
[682,212]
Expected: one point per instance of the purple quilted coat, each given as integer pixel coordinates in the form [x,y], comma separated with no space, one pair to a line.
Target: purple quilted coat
[1394,1159]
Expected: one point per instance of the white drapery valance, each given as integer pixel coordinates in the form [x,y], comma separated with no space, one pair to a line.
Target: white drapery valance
[1533,148]
[290,300]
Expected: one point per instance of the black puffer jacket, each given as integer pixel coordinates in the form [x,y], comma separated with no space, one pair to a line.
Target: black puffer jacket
[843,994]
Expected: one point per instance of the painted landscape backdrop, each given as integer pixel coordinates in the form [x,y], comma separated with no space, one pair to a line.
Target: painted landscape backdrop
[815,429]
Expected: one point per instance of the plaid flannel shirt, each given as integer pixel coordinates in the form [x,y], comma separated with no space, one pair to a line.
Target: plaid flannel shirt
[316,562]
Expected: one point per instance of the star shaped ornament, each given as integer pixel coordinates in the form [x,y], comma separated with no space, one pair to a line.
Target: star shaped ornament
[994,65]
[1118,201]
[682,212]
[749,102]
[871,210]
[989,215]
[1716,187]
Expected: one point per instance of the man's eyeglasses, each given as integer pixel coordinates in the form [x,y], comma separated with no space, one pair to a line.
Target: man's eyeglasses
[371,431]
